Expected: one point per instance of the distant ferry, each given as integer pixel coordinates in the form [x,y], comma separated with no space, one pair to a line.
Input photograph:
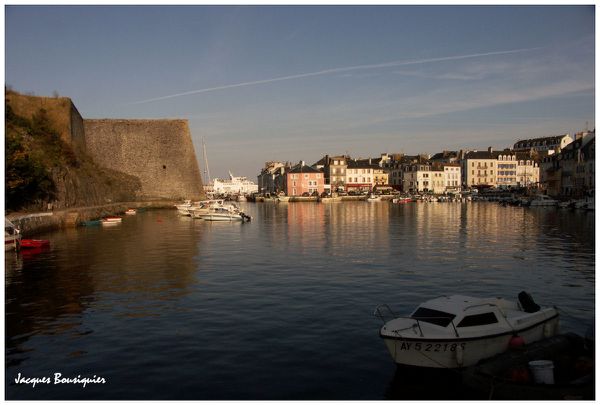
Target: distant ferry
[234,186]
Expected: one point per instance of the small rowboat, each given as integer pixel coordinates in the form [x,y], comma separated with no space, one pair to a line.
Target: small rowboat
[94,222]
[112,219]
[107,221]
[34,243]
[130,211]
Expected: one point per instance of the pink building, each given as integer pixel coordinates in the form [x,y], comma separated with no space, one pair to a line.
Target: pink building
[302,179]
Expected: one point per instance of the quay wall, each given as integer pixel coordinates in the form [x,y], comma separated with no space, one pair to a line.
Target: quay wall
[35,223]
[158,152]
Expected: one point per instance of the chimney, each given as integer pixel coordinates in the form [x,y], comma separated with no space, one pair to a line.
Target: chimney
[302,163]
[326,160]
[490,149]
[369,160]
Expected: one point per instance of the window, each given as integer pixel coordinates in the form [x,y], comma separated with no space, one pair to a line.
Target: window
[476,320]
[433,316]
[306,176]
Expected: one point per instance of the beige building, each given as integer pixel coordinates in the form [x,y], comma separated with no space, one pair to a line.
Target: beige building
[452,177]
[505,168]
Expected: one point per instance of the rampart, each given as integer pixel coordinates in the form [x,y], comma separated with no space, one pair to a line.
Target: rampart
[60,110]
[159,152]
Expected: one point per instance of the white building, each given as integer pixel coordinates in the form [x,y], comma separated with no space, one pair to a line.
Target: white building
[234,186]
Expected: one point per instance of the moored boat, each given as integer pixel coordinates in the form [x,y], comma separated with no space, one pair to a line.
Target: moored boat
[373,198]
[458,331]
[93,222]
[34,243]
[543,201]
[12,235]
[203,207]
[183,209]
[223,213]
[131,211]
[112,218]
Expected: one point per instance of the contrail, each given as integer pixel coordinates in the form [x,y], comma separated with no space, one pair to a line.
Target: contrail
[337,70]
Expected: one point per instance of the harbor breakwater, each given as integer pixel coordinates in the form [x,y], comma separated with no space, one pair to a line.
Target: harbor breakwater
[39,222]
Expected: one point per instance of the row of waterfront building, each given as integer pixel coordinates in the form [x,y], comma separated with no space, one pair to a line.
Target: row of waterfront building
[557,165]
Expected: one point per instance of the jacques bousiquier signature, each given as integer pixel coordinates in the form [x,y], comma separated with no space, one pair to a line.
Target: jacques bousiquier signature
[57,378]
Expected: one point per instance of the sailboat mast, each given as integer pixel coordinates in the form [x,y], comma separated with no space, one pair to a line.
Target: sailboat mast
[206,170]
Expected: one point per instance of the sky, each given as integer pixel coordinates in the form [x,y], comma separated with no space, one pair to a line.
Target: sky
[292,83]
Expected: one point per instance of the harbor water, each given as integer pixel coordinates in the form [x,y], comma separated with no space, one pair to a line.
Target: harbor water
[168,307]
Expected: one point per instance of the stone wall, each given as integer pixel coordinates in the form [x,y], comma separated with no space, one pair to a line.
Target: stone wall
[60,110]
[159,152]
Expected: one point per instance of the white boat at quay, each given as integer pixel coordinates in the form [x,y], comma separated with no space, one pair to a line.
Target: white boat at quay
[202,207]
[220,212]
[374,198]
[183,209]
[459,331]
[543,201]
[12,235]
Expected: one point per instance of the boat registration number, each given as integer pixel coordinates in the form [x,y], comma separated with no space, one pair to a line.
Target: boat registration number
[432,347]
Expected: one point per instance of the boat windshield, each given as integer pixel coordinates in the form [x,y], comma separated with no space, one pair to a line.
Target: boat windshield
[433,316]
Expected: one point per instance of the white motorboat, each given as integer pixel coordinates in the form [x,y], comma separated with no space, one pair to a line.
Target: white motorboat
[283,198]
[373,198]
[183,209]
[216,212]
[203,207]
[543,201]
[12,235]
[458,331]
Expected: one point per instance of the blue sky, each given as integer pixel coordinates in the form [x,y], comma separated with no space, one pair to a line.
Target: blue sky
[295,83]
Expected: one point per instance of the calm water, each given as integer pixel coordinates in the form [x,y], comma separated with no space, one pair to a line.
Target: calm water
[166,307]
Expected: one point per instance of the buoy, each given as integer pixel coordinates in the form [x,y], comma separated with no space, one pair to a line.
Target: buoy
[516,341]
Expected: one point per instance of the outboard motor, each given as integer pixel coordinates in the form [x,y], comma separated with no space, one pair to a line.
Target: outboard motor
[527,302]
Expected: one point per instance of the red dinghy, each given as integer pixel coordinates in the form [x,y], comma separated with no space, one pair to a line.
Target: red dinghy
[34,243]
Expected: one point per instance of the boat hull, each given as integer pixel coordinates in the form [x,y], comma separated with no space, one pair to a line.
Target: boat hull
[461,352]
[11,242]
[220,217]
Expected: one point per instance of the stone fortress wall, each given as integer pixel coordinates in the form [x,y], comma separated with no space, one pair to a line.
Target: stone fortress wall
[158,152]
[60,110]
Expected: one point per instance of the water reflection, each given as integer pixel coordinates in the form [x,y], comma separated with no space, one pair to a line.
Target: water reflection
[120,269]
[258,310]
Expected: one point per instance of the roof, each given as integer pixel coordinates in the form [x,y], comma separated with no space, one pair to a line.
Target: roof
[548,140]
[445,155]
[363,163]
[483,154]
[303,169]
[323,161]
